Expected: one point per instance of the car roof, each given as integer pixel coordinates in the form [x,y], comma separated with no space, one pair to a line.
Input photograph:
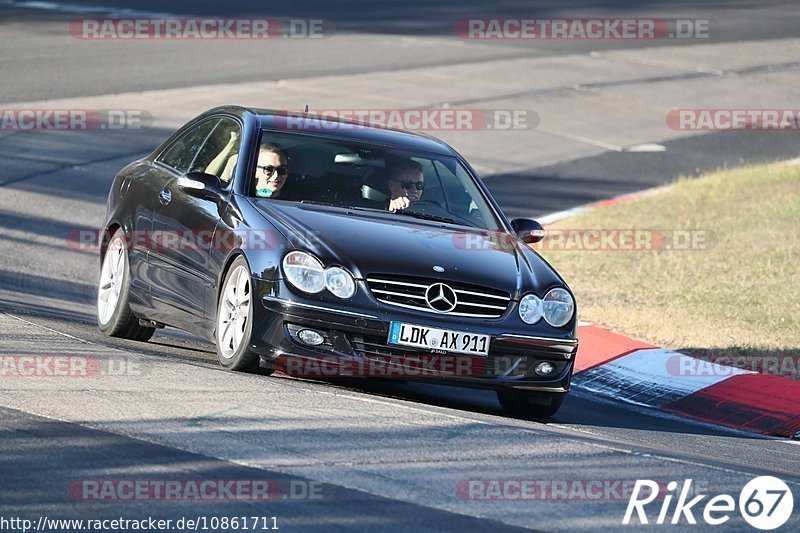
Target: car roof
[311,123]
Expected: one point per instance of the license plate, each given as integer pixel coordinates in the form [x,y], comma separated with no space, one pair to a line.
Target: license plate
[438,339]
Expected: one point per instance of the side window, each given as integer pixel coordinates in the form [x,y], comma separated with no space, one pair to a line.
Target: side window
[183,151]
[220,153]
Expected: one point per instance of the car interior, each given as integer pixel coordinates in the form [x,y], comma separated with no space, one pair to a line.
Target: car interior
[356,175]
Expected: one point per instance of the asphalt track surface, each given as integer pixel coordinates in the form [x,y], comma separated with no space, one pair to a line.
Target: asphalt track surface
[397,463]
[39,63]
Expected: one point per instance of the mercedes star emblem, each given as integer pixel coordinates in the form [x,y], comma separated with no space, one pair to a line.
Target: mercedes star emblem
[441,297]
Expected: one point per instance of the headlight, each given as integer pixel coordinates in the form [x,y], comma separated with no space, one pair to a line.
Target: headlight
[304,271]
[558,307]
[340,282]
[530,309]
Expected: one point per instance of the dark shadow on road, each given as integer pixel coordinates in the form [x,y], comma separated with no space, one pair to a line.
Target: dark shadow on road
[65,291]
[47,465]
[24,306]
[46,227]
[78,165]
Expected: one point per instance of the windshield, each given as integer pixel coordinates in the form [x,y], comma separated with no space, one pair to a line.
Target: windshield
[310,169]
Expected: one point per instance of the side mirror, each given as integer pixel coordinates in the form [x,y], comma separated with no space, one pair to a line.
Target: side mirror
[528,230]
[201,185]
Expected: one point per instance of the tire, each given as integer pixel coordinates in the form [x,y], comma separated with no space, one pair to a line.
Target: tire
[114,316]
[234,322]
[530,404]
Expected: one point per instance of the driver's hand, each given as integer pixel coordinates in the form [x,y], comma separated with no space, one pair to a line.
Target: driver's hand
[398,204]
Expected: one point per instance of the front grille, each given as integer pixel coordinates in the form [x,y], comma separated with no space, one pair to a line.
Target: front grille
[409,292]
[374,345]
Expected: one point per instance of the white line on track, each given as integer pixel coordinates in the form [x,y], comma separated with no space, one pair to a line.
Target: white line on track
[582,139]
[87,10]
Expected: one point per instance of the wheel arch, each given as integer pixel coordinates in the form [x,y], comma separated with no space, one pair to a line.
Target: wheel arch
[224,272]
[105,238]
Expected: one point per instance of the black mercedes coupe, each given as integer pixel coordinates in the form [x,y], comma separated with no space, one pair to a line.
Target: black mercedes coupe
[326,248]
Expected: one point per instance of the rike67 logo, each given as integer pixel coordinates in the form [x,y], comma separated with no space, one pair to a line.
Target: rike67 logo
[765,503]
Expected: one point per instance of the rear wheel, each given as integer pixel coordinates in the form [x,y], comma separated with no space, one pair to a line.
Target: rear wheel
[114,316]
[235,321]
[530,404]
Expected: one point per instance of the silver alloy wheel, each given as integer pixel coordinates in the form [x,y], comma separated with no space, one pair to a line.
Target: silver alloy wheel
[112,275]
[234,311]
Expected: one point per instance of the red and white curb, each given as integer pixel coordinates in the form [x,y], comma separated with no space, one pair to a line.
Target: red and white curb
[624,369]
[635,372]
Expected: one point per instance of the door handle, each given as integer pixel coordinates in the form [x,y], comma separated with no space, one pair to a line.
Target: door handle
[165,196]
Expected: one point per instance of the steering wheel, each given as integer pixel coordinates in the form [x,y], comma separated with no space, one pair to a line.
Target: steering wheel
[424,206]
[432,207]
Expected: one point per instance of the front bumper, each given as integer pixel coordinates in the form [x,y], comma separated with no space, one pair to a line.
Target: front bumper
[355,346]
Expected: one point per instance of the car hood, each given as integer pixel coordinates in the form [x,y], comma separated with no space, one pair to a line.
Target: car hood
[368,243]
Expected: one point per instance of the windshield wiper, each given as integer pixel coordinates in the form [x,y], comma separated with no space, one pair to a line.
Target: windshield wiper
[426,216]
[423,216]
[340,206]
[314,202]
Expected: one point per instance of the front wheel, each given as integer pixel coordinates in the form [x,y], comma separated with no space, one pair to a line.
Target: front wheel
[235,320]
[114,316]
[530,404]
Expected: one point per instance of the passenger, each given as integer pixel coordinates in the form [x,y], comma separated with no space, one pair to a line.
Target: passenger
[406,182]
[271,171]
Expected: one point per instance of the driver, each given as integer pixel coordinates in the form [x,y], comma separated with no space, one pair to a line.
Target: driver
[406,183]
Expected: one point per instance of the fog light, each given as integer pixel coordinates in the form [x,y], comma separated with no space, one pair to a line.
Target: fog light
[544,368]
[310,337]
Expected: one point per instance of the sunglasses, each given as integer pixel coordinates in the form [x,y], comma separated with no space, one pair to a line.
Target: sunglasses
[269,170]
[408,185]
